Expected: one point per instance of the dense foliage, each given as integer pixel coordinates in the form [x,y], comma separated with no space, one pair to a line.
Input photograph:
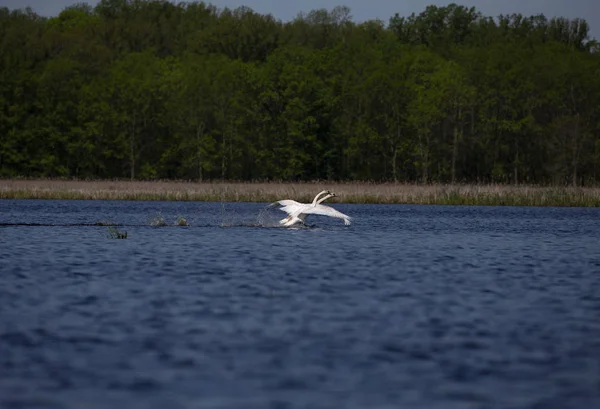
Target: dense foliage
[152,89]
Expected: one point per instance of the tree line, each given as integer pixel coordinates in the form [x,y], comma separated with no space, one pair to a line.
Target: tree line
[147,89]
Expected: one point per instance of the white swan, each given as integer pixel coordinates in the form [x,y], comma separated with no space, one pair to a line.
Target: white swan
[297,212]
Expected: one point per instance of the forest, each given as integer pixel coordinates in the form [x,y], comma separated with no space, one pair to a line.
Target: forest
[152,89]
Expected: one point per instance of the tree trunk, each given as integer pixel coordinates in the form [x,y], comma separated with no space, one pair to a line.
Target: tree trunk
[425,169]
[516,164]
[223,157]
[575,152]
[132,150]
[199,134]
[231,132]
[454,154]
[424,154]
[575,139]
[455,147]
[394,165]
[395,149]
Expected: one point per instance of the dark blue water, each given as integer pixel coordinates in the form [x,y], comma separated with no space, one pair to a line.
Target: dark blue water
[410,306]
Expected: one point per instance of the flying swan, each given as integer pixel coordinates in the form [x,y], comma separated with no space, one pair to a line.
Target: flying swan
[297,212]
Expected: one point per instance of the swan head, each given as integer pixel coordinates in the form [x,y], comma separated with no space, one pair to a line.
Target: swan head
[316,200]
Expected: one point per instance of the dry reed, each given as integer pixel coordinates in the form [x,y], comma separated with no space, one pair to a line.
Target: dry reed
[348,192]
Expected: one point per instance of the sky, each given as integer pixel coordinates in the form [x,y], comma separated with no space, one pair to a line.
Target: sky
[362,10]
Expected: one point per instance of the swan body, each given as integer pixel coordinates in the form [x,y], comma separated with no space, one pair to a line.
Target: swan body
[297,212]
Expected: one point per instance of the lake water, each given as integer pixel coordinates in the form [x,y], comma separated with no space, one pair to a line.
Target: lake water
[410,306]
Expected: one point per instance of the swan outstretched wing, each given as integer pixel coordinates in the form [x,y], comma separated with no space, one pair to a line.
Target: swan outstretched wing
[327,211]
[285,202]
[290,206]
[297,212]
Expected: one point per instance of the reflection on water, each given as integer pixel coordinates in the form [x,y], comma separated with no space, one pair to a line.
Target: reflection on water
[410,306]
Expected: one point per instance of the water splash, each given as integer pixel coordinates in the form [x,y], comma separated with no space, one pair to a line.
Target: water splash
[226,217]
[181,221]
[157,220]
[231,218]
[268,217]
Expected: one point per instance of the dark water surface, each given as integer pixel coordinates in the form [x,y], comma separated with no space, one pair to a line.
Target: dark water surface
[409,307]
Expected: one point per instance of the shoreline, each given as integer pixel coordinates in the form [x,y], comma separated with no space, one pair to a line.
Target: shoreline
[347,192]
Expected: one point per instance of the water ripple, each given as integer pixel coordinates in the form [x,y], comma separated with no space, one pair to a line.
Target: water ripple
[410,306]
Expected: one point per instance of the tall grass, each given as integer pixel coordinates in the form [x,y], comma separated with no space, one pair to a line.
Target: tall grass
[348,192]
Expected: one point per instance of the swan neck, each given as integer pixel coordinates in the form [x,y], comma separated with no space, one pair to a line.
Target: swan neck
[325,198]
[314,202]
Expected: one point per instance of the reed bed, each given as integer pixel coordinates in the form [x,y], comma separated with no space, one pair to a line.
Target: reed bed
[348,192]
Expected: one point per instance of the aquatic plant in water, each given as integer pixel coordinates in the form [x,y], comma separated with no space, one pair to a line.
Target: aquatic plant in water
[114,233]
